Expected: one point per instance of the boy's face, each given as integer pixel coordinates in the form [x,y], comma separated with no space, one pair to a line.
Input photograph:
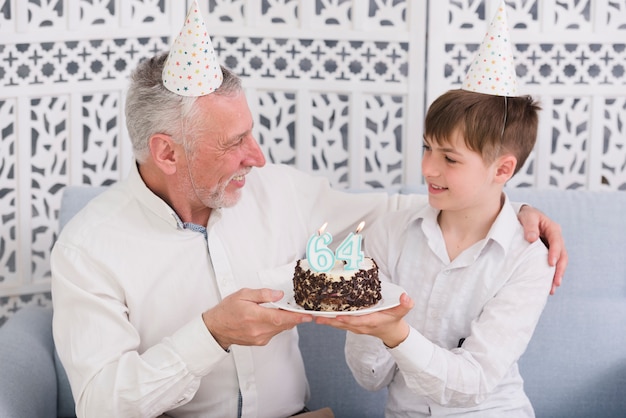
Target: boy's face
[457,177]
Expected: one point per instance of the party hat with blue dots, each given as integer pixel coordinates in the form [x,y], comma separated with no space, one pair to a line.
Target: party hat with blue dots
[192,68]
[493,70]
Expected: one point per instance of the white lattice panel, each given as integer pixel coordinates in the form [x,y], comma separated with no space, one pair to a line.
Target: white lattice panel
[224,11]
[276,125]
[48,175]
[613,152]
[64,66]
[100,148]
[338,88]
[384,133]
[330,120]
[8,193]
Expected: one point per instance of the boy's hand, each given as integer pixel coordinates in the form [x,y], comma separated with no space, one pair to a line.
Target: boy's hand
[537,225]
[388,325]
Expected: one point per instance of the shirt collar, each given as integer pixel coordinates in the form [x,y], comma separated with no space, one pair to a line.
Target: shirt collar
[505,226]
[158,206]
[501,232]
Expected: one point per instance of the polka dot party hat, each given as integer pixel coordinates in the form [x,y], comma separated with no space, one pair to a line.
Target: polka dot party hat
[191,68]
[493,70]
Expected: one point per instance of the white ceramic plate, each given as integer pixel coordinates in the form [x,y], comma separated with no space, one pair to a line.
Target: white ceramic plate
[390,298]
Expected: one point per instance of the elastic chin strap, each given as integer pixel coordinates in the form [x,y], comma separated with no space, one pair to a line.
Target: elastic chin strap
[186,147]
[506,111]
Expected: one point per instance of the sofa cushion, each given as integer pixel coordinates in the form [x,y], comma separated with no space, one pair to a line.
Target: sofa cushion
[330,379]
[66,408]
[575,365]
[27,375]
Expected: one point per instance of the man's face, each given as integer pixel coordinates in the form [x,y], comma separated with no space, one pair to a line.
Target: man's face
[223,150]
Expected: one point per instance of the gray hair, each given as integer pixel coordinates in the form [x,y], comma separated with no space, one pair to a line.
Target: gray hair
[152,109]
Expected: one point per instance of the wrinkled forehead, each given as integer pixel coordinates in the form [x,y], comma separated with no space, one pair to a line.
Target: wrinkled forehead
[225,114]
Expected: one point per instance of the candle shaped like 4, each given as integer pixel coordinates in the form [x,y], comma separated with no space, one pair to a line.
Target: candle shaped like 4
[319,256]
[350,249]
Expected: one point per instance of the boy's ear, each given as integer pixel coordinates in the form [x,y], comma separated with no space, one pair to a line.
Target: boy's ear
[505,167]
[163,152]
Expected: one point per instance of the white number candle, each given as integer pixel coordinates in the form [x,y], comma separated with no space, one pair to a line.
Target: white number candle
[319,256]
[350,249]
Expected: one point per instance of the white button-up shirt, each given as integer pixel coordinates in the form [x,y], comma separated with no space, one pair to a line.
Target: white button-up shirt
[472,320]
[129,285]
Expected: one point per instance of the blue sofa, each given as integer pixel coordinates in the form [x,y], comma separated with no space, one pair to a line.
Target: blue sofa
[574,367]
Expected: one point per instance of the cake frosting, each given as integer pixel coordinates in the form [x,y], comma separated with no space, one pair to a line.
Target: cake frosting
[337,289]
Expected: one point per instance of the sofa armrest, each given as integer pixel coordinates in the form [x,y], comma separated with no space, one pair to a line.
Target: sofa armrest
[27,372]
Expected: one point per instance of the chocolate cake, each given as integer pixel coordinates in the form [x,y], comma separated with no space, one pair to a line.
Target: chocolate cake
[337,289]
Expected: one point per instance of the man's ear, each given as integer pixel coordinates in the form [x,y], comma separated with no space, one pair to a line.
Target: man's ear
[164,152]
[505,167]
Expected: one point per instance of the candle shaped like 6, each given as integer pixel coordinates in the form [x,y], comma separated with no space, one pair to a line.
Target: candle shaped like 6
[350,249]
[318,255]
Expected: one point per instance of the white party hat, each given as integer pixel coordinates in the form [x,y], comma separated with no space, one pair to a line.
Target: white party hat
[493,70]
[191,68]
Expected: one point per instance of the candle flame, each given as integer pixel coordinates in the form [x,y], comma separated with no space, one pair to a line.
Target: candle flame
[322,228]
[360,227]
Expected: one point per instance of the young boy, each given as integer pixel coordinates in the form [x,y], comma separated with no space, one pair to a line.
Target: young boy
[475,288]
[477,285]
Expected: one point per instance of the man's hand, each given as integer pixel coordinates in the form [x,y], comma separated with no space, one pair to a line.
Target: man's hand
[388,325]
[536,224]
[238,319]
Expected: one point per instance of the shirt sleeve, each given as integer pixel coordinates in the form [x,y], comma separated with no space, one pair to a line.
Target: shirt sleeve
[109,375]
[343,210]
[465,376]
[369,361]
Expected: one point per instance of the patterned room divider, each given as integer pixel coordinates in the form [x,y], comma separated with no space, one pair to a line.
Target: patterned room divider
[338,88]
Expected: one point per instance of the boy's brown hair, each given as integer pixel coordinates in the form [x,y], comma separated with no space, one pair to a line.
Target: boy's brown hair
[491,125]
